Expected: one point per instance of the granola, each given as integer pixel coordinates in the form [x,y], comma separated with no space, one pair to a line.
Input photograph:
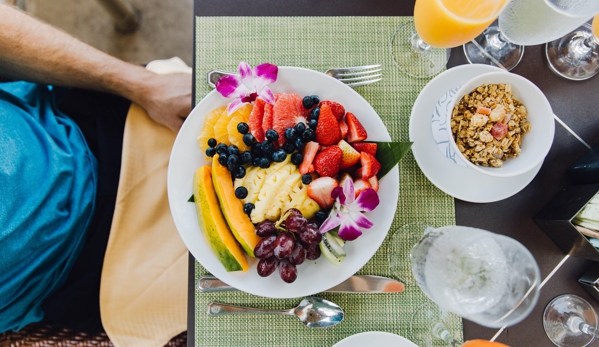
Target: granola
[488,125]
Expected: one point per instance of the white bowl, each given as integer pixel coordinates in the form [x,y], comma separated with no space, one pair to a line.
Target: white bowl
[535,144]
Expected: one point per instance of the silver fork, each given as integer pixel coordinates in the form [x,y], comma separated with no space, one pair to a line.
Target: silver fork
[352,76]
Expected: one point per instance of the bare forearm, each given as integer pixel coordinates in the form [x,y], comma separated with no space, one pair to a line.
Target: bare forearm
[34,51]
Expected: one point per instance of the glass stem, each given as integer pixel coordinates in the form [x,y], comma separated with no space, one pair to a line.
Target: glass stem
[418,45]
[440,331]
[577,324]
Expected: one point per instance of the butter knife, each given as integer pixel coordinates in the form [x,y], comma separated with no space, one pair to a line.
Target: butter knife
[354,284]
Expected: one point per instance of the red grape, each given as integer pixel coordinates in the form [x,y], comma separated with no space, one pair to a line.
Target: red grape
[267,266]
[287,271]
[283,245]
[265,228]
[298,255]
[313,252]
[294,211]
[295,222]
[266,247]
[310,235]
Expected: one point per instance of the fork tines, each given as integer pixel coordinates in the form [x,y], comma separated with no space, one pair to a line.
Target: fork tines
[357,75]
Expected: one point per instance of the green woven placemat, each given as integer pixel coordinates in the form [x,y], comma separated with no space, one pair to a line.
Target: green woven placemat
[320,43]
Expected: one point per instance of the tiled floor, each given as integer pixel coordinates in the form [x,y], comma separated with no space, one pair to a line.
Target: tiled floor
[166,27]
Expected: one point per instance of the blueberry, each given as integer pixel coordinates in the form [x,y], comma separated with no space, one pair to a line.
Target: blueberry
[212,142]
[256,161]
[279,155]
[312,124]
[232,160]
[210,151]
[320,216]
[221,148]
[299,144]
[247,208]
[299,128]
[267,148]
[233,150]
[243,128]
[241,192]
[307,102]
[264,163]
[315,113]
[306,178]
[249,139]
[315,99]
[297,158]
[245,157]
[257,149]
[272,135]
[239,172]
[222,159]
[290,134]
[288,147]
[308,135]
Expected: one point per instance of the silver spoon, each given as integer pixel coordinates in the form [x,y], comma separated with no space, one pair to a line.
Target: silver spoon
[313,311]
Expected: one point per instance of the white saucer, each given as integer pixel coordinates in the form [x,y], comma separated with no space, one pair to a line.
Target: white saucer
[459,182]
[375,338]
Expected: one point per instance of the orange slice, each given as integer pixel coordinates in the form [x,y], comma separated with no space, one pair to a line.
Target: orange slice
[241,115]
[221,133]
[207,131]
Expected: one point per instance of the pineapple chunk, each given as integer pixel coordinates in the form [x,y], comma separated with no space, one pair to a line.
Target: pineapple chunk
[309,208]
[253,182]
[271,187]
[281,198]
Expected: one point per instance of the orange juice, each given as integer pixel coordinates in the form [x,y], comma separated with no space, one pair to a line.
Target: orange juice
[451,23]
[483,343]
[596,26]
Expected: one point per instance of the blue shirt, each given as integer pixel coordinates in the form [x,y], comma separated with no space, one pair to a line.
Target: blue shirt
[48,179]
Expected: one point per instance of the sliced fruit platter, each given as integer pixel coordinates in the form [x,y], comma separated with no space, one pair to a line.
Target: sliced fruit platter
[283,170]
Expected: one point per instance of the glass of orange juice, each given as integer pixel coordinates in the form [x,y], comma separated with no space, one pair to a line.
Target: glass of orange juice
[575,56]
[420,48]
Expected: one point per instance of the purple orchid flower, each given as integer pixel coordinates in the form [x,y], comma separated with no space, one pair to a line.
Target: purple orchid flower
[347,211]
[249,85]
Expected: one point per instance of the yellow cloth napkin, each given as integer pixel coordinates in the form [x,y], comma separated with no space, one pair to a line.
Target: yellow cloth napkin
[143,291]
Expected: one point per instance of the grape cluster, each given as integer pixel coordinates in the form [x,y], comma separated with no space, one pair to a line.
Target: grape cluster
[288,248]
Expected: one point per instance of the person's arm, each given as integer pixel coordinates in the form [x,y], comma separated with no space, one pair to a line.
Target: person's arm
[33,51]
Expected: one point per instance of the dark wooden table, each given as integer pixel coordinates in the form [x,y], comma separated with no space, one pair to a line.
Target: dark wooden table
[576,103]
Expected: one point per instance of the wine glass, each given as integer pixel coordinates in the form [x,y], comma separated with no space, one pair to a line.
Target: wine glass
[420,48]
[524,23]
[493,48]
[570,321]
[487,278]
[576,55]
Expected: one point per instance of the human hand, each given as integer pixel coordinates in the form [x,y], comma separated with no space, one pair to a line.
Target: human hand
[166,98]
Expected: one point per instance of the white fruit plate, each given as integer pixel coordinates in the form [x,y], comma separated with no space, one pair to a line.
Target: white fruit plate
[313,276]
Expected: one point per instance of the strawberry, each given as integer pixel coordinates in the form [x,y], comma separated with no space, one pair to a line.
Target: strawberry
[360,185]
[255,121]
[320,190]
[309,153]
[337,109]
[350,155]
[368,147]
[328,161]
[344,129]
[374,183]
[356,132]
[370,166]
[327,130]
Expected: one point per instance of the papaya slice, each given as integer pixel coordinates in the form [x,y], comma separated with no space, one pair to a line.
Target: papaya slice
[232,208]
[213,225]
